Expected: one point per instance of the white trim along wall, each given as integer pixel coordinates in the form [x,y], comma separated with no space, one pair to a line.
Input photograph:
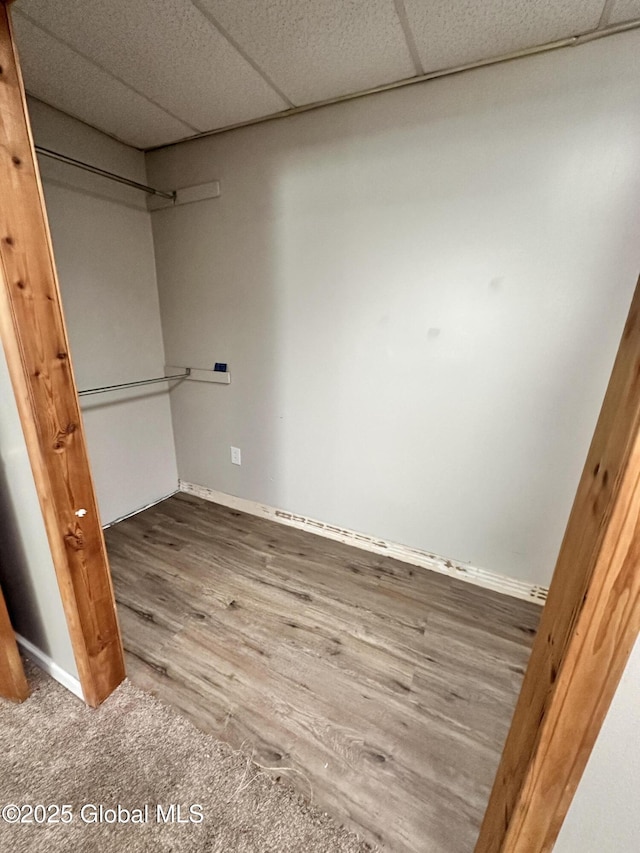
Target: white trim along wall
[414,556]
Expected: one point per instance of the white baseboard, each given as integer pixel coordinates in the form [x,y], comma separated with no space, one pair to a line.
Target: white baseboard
[50,667]
[139,509]
[414,556]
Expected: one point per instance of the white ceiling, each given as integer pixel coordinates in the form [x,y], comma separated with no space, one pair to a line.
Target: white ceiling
[150,72]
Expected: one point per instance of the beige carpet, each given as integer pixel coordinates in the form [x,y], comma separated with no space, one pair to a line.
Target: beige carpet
[133,751]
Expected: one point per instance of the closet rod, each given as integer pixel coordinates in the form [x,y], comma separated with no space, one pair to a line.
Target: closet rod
[134,384]
[70,161]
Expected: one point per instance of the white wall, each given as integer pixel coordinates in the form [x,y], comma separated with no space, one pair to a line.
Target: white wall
[27,575]
[420,296]
[104,253]
[604,816]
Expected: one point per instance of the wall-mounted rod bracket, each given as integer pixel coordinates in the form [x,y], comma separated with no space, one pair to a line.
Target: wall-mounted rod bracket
[197,374]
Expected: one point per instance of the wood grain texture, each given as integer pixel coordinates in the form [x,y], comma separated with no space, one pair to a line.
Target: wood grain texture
[35,341]
[386,689]
[588,627]
[13,683]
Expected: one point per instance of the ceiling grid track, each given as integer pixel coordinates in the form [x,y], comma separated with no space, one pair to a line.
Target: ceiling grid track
[104,70]
[236,46]
[252,86]
[607,9]
[570,41]
[408,35]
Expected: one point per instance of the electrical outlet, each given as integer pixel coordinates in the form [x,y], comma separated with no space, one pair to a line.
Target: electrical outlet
[236,456]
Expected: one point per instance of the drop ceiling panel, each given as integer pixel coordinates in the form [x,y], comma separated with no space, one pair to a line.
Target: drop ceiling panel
[166,50]
[624,10]
[60,77]
[454,32]
[318,49]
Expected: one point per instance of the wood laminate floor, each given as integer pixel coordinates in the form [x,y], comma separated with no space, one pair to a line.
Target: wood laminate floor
[385,688]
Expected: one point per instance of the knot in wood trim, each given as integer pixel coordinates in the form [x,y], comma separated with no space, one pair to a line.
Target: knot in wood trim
[75,539]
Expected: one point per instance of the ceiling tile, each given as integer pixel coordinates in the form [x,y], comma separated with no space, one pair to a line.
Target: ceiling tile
[318,49]
[58,76]
[167,50]
[624,10]
[454,32]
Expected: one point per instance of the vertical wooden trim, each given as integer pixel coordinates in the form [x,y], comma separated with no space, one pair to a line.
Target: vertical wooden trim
[13,684]
[589,625]
[35,341]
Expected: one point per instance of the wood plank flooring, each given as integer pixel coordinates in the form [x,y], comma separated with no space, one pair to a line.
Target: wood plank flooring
[381,690]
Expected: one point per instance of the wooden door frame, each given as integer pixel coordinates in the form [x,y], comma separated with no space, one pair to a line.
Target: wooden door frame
[35,341]
[592,615]
[13,683]
[588,628]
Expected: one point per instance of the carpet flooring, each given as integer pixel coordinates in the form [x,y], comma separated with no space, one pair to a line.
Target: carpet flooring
[135,752]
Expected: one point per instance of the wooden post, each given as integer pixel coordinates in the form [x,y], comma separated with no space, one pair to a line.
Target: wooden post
[35,341]
[13,684]
[588,628]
